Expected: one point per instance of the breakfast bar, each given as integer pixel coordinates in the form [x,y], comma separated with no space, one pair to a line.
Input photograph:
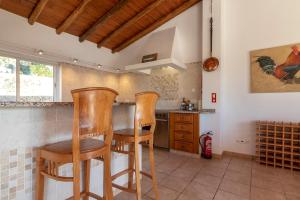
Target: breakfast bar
[26,126]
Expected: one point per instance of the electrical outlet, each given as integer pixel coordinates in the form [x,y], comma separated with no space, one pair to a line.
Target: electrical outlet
[242,141]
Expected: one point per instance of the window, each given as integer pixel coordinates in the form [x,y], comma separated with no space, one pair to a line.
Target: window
[23,80]
[7,79]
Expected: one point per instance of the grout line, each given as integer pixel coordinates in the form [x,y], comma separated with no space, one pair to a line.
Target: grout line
[189,183]
[222,179]
[251,175]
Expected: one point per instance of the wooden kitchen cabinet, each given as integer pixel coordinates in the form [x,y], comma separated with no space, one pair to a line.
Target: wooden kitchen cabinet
[184,132]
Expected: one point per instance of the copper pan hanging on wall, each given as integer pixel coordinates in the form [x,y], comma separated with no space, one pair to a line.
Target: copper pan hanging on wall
[211,63]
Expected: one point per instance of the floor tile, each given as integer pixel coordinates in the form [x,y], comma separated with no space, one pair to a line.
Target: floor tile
[214,163]
[146,185]
[265,183]
[193,163]
[174,183]
[164,193]
[265,172]
[125,196]
[238,177]
[231,178]
[292,197]
[291,189]
[169,166]
[221,195]
[198,191]
[240,168]
[184,196]
[213,171]
[185,173]
[160,176]
[236,188]
[262,194]
[289,177]
[208,180]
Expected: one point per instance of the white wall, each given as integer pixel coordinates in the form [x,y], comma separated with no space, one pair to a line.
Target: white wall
[211,81]
[250,25]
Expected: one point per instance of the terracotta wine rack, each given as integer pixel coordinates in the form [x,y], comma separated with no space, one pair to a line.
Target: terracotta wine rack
[278,144]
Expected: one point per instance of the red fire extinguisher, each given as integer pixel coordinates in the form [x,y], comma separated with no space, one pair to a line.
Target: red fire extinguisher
[205,143]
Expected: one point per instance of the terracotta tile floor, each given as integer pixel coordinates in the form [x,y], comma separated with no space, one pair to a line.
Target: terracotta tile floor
[186,178]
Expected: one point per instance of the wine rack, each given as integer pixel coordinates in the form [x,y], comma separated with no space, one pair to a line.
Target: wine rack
[278,144]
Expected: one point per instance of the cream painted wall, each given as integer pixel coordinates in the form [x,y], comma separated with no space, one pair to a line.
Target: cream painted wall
[73,77]
[249,25]
[211,81]
[241,26]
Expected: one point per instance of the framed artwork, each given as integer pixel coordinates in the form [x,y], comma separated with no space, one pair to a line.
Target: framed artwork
[276,69]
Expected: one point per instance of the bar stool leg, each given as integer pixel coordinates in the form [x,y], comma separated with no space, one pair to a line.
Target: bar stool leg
[108,194]
[152,165]
[137,171]
[87,174]
[39,195]
[130,165]
[76,180]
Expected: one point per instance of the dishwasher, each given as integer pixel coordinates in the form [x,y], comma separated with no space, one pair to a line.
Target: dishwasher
[161,133]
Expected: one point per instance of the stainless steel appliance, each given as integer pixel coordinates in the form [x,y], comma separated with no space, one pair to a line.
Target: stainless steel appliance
[161,133]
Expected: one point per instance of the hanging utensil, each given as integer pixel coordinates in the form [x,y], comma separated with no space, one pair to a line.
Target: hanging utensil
[211,63]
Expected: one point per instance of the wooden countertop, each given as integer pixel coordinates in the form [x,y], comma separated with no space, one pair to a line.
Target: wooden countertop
[200,111]
[46,104]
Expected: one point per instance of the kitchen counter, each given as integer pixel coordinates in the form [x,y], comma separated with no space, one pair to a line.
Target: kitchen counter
[201,111]
[47,104]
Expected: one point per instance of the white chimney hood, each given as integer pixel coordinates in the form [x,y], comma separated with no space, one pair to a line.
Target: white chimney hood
[165,44]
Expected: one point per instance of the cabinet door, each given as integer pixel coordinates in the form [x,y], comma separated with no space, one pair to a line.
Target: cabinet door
[184,136]
[184,118]
[184,127]
[184,146]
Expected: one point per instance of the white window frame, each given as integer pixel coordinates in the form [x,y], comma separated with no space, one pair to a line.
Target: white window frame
[56,74]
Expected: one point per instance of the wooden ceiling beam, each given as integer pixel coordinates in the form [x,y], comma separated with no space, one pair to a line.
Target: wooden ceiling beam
[103,19]
[70,19]
[155,25]
[130,22]
[37,11]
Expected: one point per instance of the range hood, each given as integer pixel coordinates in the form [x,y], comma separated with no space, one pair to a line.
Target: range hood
[165,44]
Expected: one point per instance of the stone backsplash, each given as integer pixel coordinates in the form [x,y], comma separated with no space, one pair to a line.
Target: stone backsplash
[170,83]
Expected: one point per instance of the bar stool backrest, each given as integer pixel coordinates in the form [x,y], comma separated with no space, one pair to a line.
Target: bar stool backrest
[93,113]
[145,110]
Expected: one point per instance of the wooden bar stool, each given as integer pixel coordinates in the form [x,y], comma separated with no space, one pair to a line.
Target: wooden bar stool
[144,117]
[92,118]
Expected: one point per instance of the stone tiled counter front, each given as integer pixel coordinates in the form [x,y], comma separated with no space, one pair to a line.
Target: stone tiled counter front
[25,126]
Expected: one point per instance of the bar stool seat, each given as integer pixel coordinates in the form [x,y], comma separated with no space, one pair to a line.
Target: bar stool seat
[65,147]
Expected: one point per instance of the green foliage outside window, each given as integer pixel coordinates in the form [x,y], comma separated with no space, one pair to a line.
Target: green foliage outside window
[30,68]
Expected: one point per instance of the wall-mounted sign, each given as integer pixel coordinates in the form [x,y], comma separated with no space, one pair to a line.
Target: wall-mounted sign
[149,58]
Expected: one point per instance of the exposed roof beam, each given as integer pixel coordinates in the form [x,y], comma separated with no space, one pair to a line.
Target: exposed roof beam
[130,22]
[67,23]
[37,11]
[103,19]
[156,24]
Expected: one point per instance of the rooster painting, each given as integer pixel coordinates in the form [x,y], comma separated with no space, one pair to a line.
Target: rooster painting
[286,71]
[275,69]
